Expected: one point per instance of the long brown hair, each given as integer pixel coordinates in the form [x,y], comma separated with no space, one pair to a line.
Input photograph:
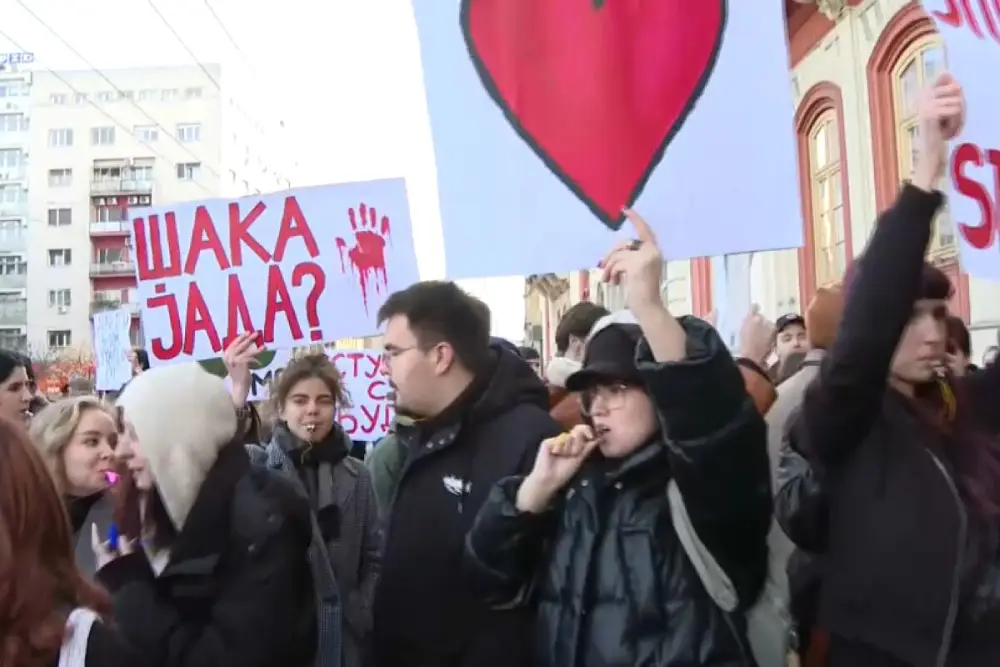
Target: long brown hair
[39,580]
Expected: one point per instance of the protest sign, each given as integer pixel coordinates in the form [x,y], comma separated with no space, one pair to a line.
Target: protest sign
[299,267]
[971,32]
[576,109]
[111,347]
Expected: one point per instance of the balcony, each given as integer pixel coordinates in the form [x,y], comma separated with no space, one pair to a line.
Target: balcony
[15,139]
[108,269]
[13,174]
[114,228]
[13,244]
[101,305]
[119,186]
[20,104]
[14,209]
[14,313]
[12,281]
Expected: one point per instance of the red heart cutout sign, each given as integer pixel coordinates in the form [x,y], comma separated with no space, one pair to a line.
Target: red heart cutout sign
[596,88]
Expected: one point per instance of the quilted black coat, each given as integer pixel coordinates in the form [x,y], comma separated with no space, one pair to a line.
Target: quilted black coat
[611,581]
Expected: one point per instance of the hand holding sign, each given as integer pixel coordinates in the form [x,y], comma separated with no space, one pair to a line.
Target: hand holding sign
[240,357]
[639,264]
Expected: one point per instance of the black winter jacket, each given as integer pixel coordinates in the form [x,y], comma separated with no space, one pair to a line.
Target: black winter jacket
[868,483]
[612,583]
[424,613]
[237,589]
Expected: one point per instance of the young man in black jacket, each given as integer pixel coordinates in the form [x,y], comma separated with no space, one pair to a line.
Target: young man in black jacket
[480,412]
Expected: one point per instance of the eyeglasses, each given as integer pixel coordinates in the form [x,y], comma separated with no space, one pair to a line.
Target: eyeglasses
[612,397]
[391,353]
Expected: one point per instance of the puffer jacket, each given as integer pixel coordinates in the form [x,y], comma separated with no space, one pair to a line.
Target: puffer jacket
[611,581]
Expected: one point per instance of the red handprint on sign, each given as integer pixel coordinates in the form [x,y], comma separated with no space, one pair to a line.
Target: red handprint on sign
[367,256]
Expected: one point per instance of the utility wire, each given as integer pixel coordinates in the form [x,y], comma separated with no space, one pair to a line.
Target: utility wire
[181,41]
[100,108]
[118,90]
[229,36]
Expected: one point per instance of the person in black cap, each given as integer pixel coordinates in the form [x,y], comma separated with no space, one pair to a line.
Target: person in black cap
[588,537]
[789,339]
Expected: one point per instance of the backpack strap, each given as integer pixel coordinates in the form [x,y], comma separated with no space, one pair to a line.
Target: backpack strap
[712,576]
[74,650]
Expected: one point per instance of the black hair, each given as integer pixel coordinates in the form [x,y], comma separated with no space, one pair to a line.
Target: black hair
[959,338]
[578,321]
[11,361]
[529,353]
[934,284]
[442,312]
[142,357]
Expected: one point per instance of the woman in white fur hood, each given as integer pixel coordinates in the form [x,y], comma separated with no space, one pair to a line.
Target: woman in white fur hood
[211,567]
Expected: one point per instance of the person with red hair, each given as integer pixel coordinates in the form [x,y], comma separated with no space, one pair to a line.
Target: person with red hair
[40,584]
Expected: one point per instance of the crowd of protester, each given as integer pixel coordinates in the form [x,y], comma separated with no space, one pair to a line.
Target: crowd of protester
[826,494]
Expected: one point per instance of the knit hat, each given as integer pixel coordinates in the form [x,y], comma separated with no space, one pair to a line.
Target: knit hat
[183,417]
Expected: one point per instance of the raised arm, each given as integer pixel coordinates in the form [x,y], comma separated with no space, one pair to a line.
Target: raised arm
[839,407]
[717,444]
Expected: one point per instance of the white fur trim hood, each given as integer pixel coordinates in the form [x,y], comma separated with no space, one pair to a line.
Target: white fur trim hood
[183,416]
[559,369]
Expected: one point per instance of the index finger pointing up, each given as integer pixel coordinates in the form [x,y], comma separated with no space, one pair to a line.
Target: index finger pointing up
[642,229]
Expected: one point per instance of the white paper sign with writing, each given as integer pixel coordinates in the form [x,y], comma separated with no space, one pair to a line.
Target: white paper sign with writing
[971,32]
[111,348]
[371,411]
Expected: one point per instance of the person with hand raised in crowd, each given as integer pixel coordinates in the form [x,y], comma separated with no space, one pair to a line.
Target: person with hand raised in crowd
[588,535]
[890,469]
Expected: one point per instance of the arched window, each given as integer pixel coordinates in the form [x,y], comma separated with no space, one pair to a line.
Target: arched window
[823,182]
[828,233]
[917,66]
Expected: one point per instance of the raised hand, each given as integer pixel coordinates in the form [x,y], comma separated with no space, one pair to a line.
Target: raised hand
[558,459]
[638,264]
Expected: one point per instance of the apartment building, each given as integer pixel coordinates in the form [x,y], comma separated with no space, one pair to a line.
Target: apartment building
[78,151]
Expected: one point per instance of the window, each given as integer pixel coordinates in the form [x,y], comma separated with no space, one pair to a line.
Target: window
[13,194]
[60,178]
[60,338]
[11,158]
[917,67]
[106,174]
[113,213]
[57,98]
[62,137]
[147,134]
[125,94]
[168,94]
[12,266]
[12,229]
[13,122]
[80,98]
[60,257]
[59,297]
[102,136]
[189,171]
[147,95]
[111,256]
[14,89]
[189,132]
[142,172]
[192,93]
[106,96]
[13,339]
[60,217]
[829,243]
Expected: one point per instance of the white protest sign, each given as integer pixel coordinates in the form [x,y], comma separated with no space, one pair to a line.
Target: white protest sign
[971,32]
[303,266]
[548,117]
[111,348]
[731,288]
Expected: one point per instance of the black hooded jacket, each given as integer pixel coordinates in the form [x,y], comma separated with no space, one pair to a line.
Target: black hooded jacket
[424,612]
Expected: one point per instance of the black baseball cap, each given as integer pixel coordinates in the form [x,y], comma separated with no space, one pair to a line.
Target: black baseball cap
[787,320]
[609,357]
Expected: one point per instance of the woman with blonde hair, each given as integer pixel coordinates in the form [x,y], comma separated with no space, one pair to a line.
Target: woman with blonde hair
[76,438]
